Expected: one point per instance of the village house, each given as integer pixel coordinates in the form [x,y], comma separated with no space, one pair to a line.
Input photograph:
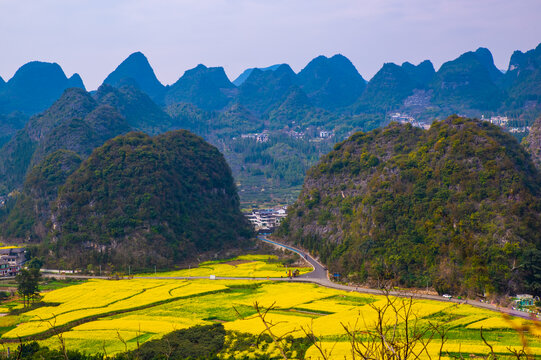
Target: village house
[263,137]
[501,121]
[11,261]
[267,219]
[522,300]
[407,119]
[324,134]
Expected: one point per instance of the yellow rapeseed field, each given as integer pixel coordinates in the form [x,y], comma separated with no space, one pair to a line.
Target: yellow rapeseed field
[105,296]
[144,309]
[342,350]
[249,266]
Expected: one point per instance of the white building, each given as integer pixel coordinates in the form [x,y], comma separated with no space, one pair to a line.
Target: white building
[263,137]
[267,219]
[407,119]
[502,121]
[324,134]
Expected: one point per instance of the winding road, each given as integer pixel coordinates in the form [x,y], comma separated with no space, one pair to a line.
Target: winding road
[320,276]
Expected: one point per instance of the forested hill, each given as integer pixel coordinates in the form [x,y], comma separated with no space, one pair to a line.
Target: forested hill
[532,143]
[457,207]
[146,201]
[28,219]
[78,121]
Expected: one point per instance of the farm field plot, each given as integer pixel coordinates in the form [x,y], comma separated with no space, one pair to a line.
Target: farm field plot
[260,266]
[99,297]
[112,316]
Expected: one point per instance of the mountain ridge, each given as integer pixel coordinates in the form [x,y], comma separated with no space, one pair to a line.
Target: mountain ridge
[137,68]
[246,73]
[207,88]
[34,87]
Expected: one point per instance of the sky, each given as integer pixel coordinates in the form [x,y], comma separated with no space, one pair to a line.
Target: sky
[91,37]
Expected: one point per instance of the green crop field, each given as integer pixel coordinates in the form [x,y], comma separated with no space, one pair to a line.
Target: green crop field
[114,315]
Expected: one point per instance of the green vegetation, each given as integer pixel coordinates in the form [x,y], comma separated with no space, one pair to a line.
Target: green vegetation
[28,284]
[137,201]
[273,171]
[9,124]
[198,342]
[457,207]
[158,200]
[532,143]
[523,82]
[29,216]
[75,122]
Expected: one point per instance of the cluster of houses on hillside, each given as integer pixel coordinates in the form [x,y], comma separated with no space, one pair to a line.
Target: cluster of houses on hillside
[296,133]
[11,261]
[503,121]
[408,119]
[261,137]
[268,219]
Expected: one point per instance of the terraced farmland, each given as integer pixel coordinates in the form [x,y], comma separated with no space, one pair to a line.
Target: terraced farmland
[112,315]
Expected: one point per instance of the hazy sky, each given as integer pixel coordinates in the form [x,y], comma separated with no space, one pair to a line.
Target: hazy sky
[92,37]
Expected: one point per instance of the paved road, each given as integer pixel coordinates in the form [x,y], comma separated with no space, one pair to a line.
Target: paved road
[320,272]
[320,276]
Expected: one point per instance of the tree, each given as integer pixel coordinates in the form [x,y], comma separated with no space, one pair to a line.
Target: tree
[28,281]
[34,263]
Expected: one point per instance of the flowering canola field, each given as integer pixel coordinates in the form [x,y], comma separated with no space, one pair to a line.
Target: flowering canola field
[112,315]
[249,266]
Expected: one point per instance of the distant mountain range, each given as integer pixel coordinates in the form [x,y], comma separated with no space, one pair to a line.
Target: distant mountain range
[328,94]
[469,84]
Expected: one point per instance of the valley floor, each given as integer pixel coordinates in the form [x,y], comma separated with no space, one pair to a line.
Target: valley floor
[114,315]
